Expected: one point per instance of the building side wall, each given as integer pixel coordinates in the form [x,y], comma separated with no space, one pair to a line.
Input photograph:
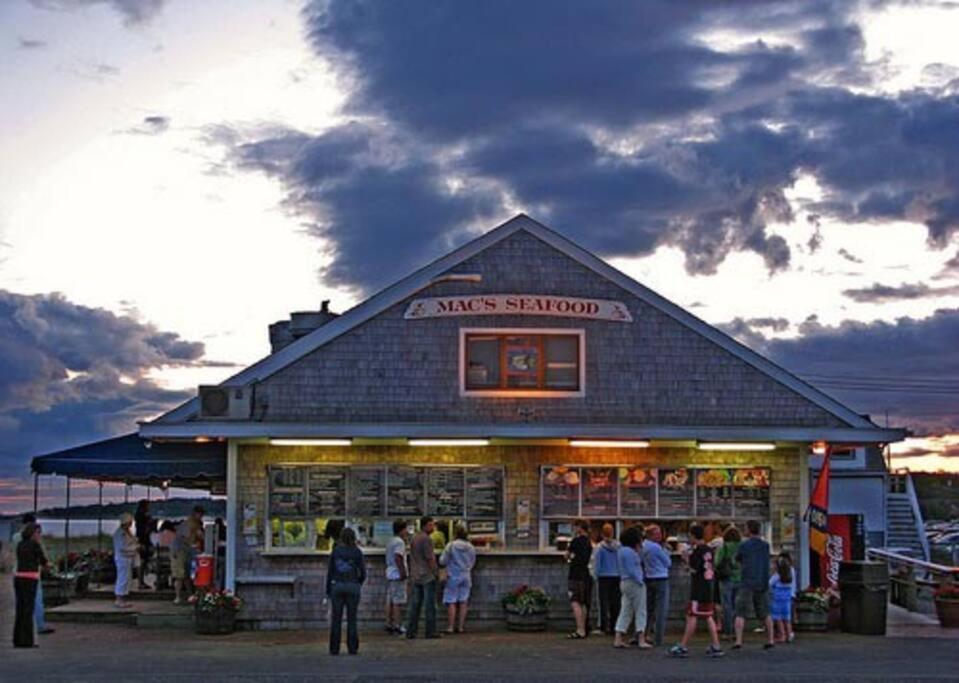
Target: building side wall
[653,370]
[278,605]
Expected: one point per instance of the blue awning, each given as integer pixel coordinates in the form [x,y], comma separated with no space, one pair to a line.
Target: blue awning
[133,460]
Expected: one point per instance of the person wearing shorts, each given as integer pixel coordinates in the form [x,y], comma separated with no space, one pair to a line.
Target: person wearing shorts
[396,578]
[578,555]
[753,557]
[702,591]
[459,558]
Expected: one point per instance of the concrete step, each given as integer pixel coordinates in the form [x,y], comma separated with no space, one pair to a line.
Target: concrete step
[143,614]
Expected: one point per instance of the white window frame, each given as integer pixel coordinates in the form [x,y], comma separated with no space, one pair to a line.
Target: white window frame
[522,393]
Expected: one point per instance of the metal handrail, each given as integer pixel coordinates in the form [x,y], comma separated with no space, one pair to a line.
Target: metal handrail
[912,562]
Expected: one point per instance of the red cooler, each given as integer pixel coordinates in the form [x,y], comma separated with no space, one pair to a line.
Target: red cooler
[204,571]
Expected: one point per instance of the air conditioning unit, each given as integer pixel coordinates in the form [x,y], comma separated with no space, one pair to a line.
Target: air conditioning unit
[225,403]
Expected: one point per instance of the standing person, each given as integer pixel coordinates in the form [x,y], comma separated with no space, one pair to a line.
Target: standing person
[730,576]
[702,591]
[459,558]
[656,564]
[396,577]
[632,588]
[606,567]
[145,526]
[423,572]
[189,534]
[30,560]
[39,618]
[753,557]
[124,550]
[782,585]
[344,578]
[579,582]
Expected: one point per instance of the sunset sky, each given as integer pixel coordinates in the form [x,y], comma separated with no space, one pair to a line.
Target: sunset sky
[177,174]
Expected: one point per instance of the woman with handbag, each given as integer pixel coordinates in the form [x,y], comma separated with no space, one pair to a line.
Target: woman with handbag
[344,578]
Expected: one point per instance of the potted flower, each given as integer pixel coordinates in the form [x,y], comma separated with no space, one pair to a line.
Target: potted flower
[946,598]
[215,612]
[812,610]
[527,609]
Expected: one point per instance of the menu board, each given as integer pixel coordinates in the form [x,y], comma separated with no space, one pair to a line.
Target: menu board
[637,492]
[405,487]
[751,492]
[445,491]
[484,492]
[714,493]
[287,494]
[675,492]
[367,492]
[327,491]
[561,491]
[599,491]
[287,504]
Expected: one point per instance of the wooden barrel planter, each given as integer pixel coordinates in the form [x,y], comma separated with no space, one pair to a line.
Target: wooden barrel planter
[527,623]
[947,609]
[218,622]
[810,618]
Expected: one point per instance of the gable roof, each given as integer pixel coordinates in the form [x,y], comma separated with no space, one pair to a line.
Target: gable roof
[426,275]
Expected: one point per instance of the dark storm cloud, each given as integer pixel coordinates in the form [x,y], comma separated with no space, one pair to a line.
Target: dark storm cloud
[879,293]
[624,125]
[908,368]
[353,177]
[133,12]
[946,452]
[70,373]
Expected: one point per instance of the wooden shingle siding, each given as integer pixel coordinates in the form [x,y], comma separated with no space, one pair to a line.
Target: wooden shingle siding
[654,370]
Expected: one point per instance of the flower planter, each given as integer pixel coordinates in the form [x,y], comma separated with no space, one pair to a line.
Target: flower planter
[218,622]
[811,618]
[947,610]
[530,622]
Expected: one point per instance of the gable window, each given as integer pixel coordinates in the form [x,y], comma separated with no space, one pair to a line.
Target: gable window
[519,361]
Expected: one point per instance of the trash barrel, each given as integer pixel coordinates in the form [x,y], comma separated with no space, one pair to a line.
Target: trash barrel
[204,571]
[864,590]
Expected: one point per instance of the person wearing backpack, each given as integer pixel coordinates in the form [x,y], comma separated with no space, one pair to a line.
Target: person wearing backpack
[344,577]
[730,575]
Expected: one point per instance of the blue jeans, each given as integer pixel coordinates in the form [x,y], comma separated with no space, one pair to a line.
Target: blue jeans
[38,617]
[728,590]
[346,595]
[422,593]
[657,607]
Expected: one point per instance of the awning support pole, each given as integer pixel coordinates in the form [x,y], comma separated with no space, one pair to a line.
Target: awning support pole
[36,488]
[232,535]
[66,526]
[100,517]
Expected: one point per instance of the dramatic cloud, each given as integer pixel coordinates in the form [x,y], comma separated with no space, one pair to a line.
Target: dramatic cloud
[946,452]
[908,370]
[133,12]
[70,373]
[624,125]
[878,293]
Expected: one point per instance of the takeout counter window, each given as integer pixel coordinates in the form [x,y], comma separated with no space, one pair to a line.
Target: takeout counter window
[308,505]
[671,497]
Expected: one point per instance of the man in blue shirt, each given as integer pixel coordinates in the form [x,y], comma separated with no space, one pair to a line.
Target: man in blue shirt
[657,562]
[753,556]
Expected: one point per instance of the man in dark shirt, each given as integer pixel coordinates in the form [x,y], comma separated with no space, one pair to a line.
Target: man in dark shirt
[753,556]
[580,584]
[702,588]
[423,572]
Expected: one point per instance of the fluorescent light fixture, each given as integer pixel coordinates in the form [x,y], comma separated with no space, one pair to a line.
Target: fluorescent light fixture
[449,442]
[599,443]
[729,446]
[310,442]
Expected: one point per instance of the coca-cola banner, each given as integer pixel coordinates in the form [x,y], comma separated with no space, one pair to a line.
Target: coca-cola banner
[844,542]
